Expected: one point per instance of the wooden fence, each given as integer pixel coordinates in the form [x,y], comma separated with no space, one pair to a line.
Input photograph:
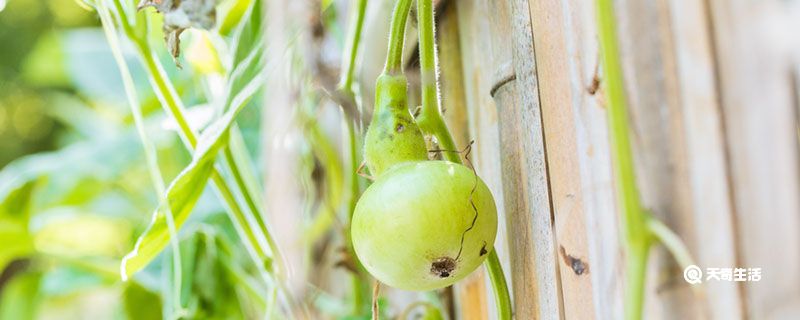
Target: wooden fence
[713,92]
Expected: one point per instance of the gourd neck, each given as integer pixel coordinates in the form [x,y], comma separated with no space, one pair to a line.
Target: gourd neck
[390,94]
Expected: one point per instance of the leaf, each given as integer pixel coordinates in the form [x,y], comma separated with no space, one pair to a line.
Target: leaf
[15,198]
[180,15]
[16,242]
[20,296]
[15,209]
[325,4]
[140,303]
[233,16]
[76,171]
[432,313]
[207,291]
[249,35]
[182,195]
[248,58]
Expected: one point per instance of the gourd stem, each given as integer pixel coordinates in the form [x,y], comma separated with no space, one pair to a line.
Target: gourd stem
[501,295]
[394,56]
[430,120]
[432,123]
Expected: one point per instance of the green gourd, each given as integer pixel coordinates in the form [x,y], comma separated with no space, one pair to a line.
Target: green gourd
[422,224]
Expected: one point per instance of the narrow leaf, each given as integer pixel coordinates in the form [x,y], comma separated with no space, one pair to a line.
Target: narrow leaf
[182,195]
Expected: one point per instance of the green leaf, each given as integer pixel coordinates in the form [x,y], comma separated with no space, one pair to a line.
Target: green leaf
[233,15]
[325,4]
[20,296]
[15,198]
[140,303]
[249,36]
[432,313]
[248,59]
[182,195]
[15,210]
[16,242]
[207,290]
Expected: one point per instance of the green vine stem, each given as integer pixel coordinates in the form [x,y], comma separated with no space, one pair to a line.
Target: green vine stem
[639,227]
[432,123]
[430,120]
[359,286]
[637,240]
[149,149]
[353,43]
[397,37]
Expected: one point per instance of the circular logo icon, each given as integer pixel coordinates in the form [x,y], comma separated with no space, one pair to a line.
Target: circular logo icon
[692,274]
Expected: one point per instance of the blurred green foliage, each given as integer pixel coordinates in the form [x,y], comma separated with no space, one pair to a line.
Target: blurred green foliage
[74,185]
[25,126]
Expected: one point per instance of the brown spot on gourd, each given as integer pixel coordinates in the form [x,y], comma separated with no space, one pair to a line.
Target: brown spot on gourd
[443,267]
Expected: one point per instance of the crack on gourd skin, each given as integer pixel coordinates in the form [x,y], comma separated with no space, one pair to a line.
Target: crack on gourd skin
[443,267]
[483,250]
[466,151]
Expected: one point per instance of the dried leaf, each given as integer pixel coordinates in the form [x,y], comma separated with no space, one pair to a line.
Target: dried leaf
[180,15]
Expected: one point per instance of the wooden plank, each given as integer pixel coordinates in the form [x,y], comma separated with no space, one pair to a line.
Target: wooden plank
[578,158]
[527,195]
[754,44]
[702,150]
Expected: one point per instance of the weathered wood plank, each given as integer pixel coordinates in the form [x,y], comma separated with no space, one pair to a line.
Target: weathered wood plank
[526,189]
[703,152]
[754,46]
[578,158]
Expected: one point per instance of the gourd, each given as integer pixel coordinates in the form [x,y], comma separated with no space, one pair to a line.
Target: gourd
[423,224]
